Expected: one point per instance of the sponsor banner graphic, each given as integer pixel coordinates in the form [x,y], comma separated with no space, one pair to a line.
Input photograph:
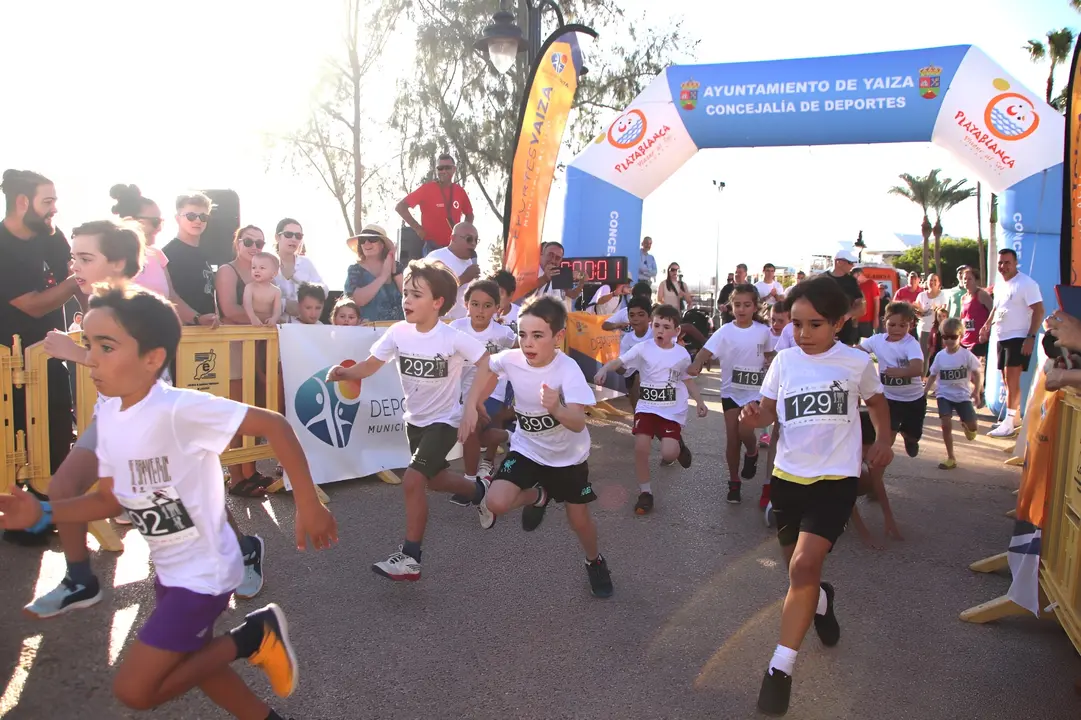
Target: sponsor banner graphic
[995,126]
[879,97]
[543,121]
[601,219]
[641,147]
[347,429]
[1071,260]
[591,346]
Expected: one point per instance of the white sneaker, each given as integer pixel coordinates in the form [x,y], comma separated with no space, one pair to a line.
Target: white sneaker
[398,566]
[485,469]
[487,519]
[1004,429]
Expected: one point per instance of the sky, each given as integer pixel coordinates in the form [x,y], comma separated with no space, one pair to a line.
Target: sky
[170,99]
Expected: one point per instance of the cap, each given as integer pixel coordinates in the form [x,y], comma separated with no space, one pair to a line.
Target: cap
[370,230]
[845,255]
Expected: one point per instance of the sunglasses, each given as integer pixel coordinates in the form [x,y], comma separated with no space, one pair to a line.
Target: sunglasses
[248,242]
[470,239]
[155,222]
[201,217]
[289,235]
[444,167]
[950,337]
[371,240]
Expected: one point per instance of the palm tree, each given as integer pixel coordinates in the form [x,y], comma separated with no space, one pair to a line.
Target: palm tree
[980,250]
[1057,51]
[992,241]
[919,190]
[945,195]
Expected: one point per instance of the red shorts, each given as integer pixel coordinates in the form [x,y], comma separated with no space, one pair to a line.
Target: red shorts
[656,426]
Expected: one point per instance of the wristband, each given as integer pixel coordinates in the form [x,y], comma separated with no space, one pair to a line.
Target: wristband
[44,521]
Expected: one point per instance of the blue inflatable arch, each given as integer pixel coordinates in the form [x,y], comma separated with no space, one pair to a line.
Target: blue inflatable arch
[955,97]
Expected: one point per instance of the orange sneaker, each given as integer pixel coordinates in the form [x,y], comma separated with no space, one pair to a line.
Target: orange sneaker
[275,656]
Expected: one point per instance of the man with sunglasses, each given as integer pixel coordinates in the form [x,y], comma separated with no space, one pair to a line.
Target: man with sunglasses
[443,204]
[460,257]
[189,269]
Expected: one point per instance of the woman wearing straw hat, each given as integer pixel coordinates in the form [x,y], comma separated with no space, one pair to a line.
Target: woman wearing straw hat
[374,281]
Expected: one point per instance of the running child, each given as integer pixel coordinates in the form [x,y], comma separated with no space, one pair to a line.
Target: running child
[481,302]
[778,320]
[508,311]
[662,409]
[431,356]
[955,375]
[159,460]
[310,301]
[813,391]
[743,349]
[638,315]
[345,312]
[900,366]
[873,487]
[549,448]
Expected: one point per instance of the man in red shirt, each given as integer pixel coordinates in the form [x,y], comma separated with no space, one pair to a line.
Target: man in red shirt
[872,295]
[443,204]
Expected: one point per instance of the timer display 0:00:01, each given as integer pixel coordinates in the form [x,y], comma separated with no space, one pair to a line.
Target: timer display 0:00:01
[596,269]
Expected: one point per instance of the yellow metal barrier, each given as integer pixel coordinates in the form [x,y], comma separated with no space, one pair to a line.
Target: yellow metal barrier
[9,363]
[1060,561]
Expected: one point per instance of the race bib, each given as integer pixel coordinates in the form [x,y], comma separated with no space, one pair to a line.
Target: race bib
[423,368]
[890,381]
[817,403]
[954,375]
[665,395]
[745,377]
[161,518]
[536,425]
[970,324]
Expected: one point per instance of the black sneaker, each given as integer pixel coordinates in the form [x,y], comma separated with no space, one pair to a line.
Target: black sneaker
[533,515]
[684,455]
[750,467]
[733,493]
[912,447]
[829,631]
[775,693]
[600,580]
[644,506]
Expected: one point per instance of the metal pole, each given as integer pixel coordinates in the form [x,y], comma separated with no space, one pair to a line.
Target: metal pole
[717,258]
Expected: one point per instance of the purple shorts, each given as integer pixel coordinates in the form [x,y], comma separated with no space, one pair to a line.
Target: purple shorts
[182,621]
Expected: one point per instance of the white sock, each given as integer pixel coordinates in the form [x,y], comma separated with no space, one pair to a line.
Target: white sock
[784,659]
[647,487]
[822,603]
[471,478]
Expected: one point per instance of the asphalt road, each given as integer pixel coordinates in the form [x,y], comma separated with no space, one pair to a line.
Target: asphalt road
[503,626]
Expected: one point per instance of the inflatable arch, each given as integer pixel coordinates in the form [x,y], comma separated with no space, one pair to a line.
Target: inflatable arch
[956,97]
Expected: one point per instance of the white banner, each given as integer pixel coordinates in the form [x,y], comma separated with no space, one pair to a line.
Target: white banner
[347,430]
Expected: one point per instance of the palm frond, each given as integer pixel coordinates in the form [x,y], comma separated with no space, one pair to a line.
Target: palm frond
[1035,49]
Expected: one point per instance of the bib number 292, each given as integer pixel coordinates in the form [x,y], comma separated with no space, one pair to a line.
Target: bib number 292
[424,368]
[161,518]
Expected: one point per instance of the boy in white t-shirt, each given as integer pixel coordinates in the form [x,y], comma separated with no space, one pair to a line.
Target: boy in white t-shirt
[159,459]
[549,447]
[481,301]
[955,374]
[813,391]
[900,367]
[661,411]
[431,356]
[508,311]
[638,315]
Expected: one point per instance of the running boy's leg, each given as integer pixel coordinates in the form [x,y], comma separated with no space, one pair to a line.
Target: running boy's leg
[731,449]
[946,421]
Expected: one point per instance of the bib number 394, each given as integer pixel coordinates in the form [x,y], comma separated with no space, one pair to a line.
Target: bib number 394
[537,424]
[161,518]
[825,403]
[665,395]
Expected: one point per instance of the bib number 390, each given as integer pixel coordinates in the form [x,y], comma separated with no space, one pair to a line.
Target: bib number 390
[659,395]
[161,518]
[537,424]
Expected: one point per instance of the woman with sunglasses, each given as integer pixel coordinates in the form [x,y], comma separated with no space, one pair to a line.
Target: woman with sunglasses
[673,291]
[229,283]
[374,281]
[131,205]
[295,268]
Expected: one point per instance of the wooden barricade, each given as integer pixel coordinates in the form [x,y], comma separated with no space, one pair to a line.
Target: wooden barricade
[13,461]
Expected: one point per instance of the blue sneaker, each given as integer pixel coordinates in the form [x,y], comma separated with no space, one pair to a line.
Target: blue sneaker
[64,598]
[253,570]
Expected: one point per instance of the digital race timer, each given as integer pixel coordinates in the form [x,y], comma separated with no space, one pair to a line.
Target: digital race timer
[595,269]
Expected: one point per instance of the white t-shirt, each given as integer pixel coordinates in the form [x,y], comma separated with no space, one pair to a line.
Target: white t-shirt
[774,339]
[661,374]
[163,455]
[895,355]
[764,289]
[818,410]
[786,340]
[1012,312]
[953,374]
[457,266]
[619,317]
[496,338]
[510,320]
[608,307]
[304,271]
[927,318]
[538,435]
[430,365]
[742,355]
[630,339]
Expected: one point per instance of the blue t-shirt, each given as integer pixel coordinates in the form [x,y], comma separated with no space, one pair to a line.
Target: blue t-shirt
[386,306]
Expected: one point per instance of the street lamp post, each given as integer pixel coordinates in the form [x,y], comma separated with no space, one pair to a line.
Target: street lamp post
[720,185]
[502,39]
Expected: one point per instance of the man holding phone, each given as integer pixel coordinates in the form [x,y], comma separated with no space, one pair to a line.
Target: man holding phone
[550,269]
[1016,316]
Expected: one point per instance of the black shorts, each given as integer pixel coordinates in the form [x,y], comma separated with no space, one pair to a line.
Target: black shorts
[907,417]
[430,445]
[1009,354]
[867,428]
[568,485]
[979,349]
[822,508]
[729,404]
